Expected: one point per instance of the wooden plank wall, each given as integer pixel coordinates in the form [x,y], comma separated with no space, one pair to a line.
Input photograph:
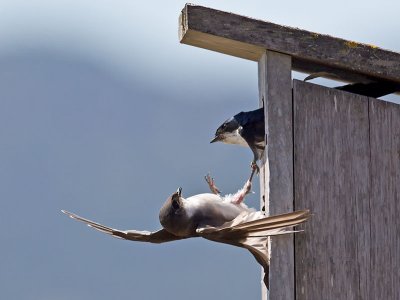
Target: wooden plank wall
[347,171]
[384,280]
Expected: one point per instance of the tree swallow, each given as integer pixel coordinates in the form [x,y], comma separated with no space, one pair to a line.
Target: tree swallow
[245,129]
[221,219]
[248,128]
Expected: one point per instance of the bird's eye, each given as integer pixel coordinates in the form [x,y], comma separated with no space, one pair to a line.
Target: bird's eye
[175,204]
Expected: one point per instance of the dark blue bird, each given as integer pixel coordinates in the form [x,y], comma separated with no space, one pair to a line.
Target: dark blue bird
[248,128]
[245,129]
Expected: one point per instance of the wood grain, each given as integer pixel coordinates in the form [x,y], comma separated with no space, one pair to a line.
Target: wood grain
[335,153]
[347,171]
[332,176]
[384,280]
[274,71]
[311,52]
[263,180]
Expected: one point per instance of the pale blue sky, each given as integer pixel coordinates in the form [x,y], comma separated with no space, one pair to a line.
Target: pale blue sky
[104,113]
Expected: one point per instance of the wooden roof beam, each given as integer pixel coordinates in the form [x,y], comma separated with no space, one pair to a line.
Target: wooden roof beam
[311,52]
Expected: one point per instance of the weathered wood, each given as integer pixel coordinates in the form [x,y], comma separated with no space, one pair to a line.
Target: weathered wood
[384,280]
[346,151]
[263,183]
[331,142]
[347,171]
[274,71]
[311,52]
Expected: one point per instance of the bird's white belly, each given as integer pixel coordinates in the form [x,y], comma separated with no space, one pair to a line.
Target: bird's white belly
[213,203]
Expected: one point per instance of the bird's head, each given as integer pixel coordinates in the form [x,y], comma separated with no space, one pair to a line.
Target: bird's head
[229,132]
[172,208]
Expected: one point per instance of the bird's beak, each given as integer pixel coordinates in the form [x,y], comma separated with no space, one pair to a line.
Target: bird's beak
[215,139]
[179,191]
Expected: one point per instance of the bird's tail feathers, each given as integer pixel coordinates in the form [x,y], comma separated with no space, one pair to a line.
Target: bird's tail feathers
[256,232]
[273,233]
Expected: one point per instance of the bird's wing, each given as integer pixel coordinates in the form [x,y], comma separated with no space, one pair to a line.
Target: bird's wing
[160,236]
[255,224]
[251,231]
[253,131]
[254,137]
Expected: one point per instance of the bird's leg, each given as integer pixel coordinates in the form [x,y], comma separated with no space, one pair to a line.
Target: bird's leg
[254,167]
[211,184]
[239,196]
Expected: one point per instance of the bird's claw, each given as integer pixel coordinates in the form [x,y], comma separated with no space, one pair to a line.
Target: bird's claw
[211,184]
[255,167]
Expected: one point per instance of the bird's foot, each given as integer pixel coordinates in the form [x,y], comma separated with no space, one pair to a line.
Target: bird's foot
[254,167]
[211,184]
